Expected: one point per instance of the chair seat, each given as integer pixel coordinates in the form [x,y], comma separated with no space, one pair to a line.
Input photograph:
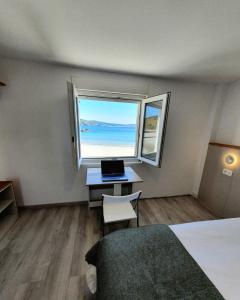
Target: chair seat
[118,211]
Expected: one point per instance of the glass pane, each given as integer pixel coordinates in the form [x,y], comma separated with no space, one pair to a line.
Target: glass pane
[107,128]
[152,116]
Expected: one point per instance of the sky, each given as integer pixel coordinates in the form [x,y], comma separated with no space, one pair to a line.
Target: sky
[107,111]
[152,111]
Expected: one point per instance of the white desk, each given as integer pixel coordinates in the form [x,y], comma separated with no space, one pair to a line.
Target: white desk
[94,181]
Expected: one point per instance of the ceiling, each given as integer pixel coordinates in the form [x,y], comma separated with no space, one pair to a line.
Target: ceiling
[185,39]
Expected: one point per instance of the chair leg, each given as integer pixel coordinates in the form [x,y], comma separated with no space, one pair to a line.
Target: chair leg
[137,214]
[103,231]
[103,226]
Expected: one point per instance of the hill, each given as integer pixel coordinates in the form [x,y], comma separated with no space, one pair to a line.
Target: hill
[151,123]
[99,123]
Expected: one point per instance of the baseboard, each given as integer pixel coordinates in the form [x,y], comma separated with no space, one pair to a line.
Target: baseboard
[173,196]
[85,203]
[52,205]
[194,195]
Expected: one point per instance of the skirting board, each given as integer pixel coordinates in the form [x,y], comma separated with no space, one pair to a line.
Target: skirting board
[173,196]
[85,203]
[52,205]
[194,195]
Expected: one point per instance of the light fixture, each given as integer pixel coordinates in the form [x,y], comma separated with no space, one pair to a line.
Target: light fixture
[229,159]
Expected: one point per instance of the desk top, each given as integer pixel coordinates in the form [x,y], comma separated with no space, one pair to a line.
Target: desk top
[94,177]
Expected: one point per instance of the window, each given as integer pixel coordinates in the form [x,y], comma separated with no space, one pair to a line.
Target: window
[154,121]
[108,128]
[110,125]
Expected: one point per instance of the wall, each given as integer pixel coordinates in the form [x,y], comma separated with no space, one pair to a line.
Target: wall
[228,121]
[218,192]
[35,134]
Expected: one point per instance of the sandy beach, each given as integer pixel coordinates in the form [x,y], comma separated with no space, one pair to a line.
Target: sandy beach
[89,150]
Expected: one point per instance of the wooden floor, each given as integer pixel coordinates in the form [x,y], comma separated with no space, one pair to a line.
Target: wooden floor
[42,254]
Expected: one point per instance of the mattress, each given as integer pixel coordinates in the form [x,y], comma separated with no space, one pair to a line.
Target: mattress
[215,247]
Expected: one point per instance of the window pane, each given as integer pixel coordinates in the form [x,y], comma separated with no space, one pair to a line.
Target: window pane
[152,116]
[108,128]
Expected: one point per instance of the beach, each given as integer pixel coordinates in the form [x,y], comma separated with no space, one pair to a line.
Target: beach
[91,150]
[107,141]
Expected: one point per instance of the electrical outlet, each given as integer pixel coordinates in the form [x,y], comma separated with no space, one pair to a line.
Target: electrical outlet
[227,172]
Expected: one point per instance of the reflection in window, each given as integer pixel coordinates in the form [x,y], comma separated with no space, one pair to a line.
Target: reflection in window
[152,116]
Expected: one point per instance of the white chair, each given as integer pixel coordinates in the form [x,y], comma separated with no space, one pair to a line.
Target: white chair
[120,208]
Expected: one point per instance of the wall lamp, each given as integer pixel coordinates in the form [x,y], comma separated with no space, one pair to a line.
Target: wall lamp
[230,159]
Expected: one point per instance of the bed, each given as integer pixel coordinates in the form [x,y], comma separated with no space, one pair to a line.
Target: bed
[199,260]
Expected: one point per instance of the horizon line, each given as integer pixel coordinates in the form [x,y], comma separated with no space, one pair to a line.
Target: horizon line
[107,122]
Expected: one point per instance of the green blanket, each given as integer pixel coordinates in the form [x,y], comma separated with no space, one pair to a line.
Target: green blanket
[147,263]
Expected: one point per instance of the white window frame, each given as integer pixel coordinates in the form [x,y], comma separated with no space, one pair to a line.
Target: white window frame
[74,125]
[114,97]
[165,99]
[142,100]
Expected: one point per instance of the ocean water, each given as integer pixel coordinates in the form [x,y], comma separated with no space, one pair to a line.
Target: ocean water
[108,135]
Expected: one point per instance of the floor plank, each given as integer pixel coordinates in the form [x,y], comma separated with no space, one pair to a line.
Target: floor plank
[42,253]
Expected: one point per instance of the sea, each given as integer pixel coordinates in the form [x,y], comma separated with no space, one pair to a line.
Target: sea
[108,135]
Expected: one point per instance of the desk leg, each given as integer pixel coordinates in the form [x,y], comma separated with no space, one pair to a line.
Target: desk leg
[117,189]
[93,203]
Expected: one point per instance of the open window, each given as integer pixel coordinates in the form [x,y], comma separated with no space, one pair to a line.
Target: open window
[108,125]
[74,124]
[153,128]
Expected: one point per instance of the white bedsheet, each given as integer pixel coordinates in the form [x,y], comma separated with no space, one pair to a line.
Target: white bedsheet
[215,246]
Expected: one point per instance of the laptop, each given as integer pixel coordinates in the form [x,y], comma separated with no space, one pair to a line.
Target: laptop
[113,170]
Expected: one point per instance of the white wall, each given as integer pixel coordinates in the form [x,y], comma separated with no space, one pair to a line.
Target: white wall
[209,132]
[228,122]
[35,140]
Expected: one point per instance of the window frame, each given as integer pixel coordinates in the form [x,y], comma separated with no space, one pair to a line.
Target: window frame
[142,100]
[165,99]
[114,97]
[74,125]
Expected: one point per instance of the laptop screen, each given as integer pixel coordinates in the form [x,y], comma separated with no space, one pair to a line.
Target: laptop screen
[112,167]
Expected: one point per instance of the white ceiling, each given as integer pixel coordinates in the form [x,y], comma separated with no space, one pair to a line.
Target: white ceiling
[190,39]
